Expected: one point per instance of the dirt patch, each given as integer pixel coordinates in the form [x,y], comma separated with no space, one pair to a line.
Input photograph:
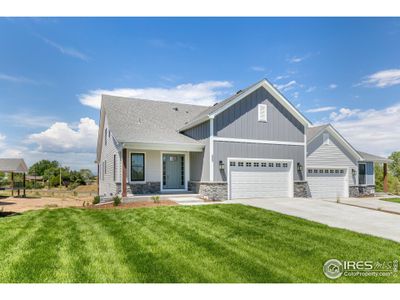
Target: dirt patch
[135,204]
[24,204]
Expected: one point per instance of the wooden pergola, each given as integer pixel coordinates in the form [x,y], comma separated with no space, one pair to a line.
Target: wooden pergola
[14,166]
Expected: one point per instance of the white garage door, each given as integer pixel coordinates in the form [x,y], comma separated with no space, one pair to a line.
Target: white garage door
[328,182]
[260,178]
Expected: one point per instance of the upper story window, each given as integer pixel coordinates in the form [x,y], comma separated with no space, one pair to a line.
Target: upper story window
[262,113]
[105,136]
[326,138]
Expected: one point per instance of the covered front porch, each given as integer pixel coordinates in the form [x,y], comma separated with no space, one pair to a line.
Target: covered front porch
[156,168]
[366,173]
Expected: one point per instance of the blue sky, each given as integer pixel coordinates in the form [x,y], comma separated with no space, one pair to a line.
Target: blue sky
[52,70]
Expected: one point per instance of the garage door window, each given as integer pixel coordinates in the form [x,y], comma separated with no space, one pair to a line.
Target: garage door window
[232,164]
[263,165]
[256,164]
[240,164]
[271,165]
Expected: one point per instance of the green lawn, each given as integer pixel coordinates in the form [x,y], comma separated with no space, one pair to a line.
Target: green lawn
[396,200]
[213,243]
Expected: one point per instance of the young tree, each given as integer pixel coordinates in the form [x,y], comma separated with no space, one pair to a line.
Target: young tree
[395,165]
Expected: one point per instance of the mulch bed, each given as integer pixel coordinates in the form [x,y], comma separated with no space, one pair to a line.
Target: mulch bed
[138,204]
[8,214]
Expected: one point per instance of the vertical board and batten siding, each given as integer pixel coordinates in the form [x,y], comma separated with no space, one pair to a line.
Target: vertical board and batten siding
[223,150]
[107,185]
[369,173]
[200,161]
[241,120]
[331,155]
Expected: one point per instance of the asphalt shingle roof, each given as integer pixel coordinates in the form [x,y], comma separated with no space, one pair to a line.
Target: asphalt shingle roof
[374,158]
[314,131]
[16,165]
[138,120]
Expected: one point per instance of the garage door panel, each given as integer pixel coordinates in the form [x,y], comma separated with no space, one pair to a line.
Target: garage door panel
[327,182]
[259,180]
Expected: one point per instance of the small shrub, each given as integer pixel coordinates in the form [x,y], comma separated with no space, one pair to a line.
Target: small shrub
[75,193]
[36,194]
[156,199]
[116,201]
[96,200]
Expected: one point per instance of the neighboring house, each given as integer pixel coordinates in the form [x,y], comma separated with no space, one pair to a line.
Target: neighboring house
[253,144]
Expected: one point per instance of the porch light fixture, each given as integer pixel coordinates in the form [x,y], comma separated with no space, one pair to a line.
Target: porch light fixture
[299,167]
[221,165]
[353,172]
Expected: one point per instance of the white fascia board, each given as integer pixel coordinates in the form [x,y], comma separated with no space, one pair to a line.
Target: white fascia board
[341,140]
[100,134]
[191,125]
[164,147]
[274,92]
[346,144]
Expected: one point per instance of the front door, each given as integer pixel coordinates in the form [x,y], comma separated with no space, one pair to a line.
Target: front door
[173,171]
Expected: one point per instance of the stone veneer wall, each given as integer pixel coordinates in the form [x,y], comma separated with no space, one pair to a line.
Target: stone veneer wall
[359,191]
[368,190]
[301,189]
[210,190]
[151,187]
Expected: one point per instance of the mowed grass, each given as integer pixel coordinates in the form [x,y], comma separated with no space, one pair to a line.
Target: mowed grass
[213,243]
[395,200]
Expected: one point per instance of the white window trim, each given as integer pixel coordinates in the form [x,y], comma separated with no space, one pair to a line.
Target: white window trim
[291,176]
[358,173]
[211,158]
[129,166]
[187,171]
[260,107]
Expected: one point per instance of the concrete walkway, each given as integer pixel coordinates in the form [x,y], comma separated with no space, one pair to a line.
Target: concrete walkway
[329,212]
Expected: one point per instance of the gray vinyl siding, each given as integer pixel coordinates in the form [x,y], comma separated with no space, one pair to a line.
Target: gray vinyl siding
[241,120]
[223,150]
[200,161]
[332,155]
[107,185]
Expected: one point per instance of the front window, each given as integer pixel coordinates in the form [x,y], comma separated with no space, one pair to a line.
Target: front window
[137,167]
[361,174]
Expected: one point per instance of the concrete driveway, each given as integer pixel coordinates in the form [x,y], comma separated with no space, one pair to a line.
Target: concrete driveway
[363,220]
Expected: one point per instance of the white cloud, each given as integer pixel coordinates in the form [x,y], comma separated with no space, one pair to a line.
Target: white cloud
[15,79]
[333,86]
[66,50]
[28,120]
[2,139]
[61,137]
[372,130]
[258,68]
[280,77]
[297,59]
[311,89]
[382,79]
[287,86]
[204,93]
[343,114]
[320,109]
